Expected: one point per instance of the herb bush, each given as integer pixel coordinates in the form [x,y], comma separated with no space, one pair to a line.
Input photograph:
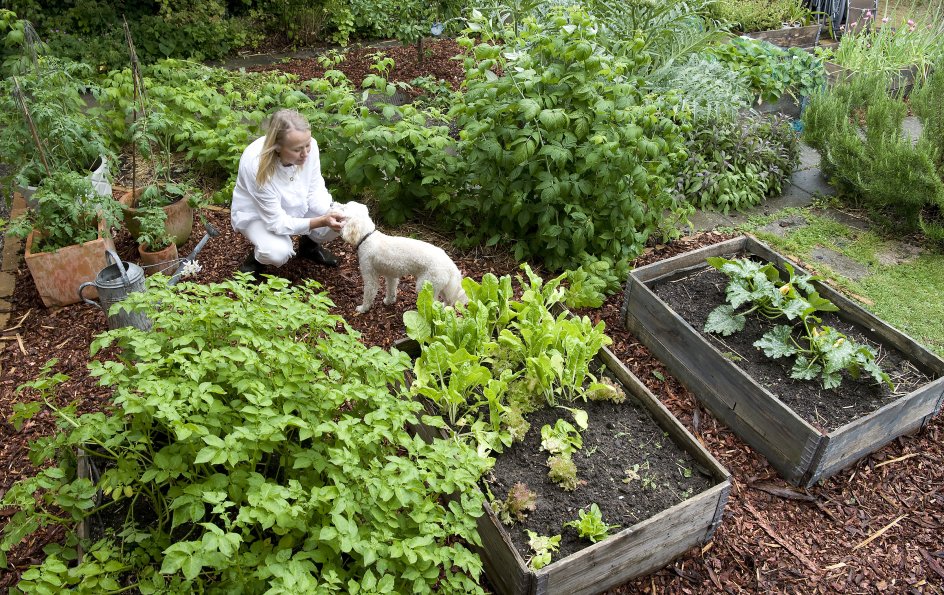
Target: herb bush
[253,446]
[886,48]
[773,71]
[566,155]
[857,128]
[747,16]
[737,163]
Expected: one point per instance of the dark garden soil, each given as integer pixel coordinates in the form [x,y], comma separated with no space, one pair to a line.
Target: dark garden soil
[439,62]
[627,466]
[824,409]
[875,527]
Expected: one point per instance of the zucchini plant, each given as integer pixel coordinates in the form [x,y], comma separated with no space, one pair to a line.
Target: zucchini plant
[818,350]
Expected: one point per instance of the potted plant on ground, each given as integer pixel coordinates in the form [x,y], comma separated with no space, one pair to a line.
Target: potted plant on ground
[176,201]
[66,235]
[162,191]
[155,245]
[44,127]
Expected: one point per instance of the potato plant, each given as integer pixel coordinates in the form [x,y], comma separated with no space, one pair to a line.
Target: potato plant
[253,446]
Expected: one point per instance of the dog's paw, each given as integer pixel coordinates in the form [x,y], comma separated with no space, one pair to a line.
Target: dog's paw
[390,301]
[361,309]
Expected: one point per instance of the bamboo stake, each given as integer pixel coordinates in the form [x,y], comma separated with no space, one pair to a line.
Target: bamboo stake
[20,98]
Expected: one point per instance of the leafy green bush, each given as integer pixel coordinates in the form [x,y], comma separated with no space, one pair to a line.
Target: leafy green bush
[208,114]
[773,71]
[91,30]
[735,164]
[253,446]
[857,128]
[402,156]
[566,155]
[68,211]
[746,16]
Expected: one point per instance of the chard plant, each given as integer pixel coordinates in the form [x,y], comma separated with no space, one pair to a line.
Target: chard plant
[819,350]
[252,445]
[590,525]
[489,362]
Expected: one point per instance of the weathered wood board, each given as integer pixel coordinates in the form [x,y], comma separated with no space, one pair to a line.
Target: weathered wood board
[791,37]
[801,453]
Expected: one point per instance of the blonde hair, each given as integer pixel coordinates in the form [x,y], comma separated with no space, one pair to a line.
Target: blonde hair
[281,123]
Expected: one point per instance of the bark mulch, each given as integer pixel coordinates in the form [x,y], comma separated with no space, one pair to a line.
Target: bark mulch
[875,527]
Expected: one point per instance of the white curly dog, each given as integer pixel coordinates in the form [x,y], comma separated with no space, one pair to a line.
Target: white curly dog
[390,257]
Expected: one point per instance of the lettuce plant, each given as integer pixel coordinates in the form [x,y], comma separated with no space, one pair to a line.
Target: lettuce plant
[590,525]
[543,547]
[488,362]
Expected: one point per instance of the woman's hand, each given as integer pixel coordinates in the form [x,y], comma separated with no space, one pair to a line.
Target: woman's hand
[332,219]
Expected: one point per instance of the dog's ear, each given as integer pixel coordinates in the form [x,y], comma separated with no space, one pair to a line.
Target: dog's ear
[349,230]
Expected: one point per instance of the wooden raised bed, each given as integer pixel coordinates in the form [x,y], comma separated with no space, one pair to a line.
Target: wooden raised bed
[634,551]
[791,37]
[801,453]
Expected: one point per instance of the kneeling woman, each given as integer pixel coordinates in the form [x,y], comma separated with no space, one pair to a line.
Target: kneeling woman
[280,193]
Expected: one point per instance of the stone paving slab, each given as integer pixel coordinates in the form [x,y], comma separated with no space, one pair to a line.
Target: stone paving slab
[841,264]
[9,263]
[812,181]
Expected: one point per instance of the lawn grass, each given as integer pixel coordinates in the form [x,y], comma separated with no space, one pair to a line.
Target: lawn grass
[909,296]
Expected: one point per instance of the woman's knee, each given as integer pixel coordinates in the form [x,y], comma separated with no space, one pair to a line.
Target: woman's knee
[274,255]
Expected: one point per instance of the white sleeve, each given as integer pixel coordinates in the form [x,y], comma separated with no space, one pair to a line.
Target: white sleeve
[268,204]
[319,199]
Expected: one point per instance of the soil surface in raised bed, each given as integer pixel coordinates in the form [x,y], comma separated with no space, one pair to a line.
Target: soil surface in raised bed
[628,466]
[694,295]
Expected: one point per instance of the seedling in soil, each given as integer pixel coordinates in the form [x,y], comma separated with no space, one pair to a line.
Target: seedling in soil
[590,525]
[543,547]
[516,506]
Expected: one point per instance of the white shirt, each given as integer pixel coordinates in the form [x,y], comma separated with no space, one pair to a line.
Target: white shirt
[287,201]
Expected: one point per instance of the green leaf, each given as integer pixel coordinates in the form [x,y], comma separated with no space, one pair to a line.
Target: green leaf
[724,321]
[777,342]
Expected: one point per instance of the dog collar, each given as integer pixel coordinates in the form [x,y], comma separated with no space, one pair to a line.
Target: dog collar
[367,235]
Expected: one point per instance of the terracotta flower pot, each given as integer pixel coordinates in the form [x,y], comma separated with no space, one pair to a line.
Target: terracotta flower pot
[179,216]
[58,274]
[161,261]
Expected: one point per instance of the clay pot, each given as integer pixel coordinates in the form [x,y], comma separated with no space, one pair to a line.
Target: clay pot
[179,222]
[58,274]
[162,261]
